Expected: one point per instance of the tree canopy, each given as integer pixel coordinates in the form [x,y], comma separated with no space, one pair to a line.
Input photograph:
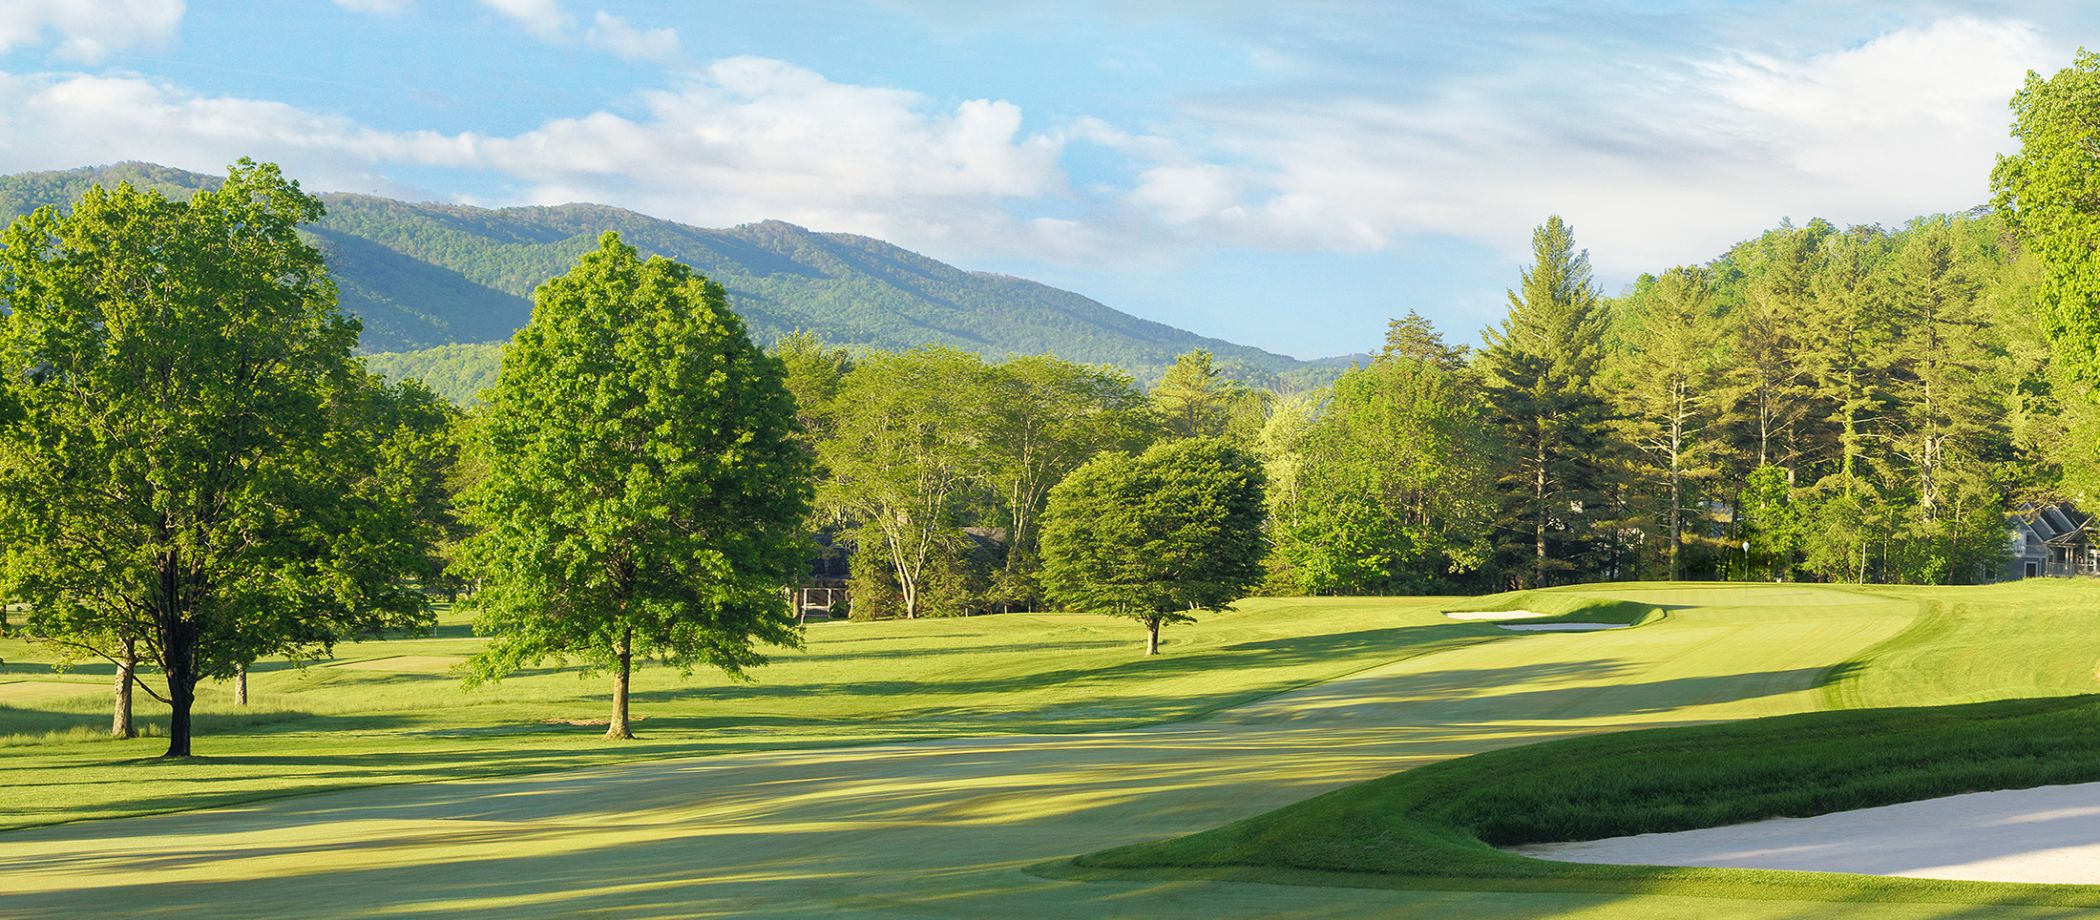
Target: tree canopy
[1157,536]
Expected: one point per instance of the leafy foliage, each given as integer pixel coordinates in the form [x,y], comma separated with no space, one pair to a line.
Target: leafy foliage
[1157,536]
[1388,488]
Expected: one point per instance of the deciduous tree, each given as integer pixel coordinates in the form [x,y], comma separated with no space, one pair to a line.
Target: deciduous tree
[645,496]
[1158,536]
[189,467]
[907,453]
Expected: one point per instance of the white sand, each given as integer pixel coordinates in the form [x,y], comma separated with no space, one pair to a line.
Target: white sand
[1561,627]
[2048,834]
[1493,615]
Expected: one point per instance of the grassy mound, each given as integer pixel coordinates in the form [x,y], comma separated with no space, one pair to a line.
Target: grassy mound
[1438,826]
[1565,607]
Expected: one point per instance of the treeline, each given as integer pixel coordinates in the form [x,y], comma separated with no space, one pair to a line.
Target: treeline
[1859,404]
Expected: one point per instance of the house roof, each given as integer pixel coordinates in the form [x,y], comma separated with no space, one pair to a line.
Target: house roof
[2055,522]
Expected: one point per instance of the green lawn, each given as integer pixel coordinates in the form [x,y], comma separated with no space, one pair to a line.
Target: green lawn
[394,711]
[1260,730]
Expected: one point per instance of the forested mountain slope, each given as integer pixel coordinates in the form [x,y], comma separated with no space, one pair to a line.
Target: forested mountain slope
[428,275]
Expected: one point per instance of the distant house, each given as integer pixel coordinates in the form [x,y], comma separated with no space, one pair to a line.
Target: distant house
[2052,540]
[824,591]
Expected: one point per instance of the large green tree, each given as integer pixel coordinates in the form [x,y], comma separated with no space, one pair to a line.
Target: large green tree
[193,468]
[1194,399]
[644,495]
[815,370]
[1158,536]
[2050,192]
[1541,367]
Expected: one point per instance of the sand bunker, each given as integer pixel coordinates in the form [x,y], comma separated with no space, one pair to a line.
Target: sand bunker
[1561,627]
[2048,834]
[1494,615]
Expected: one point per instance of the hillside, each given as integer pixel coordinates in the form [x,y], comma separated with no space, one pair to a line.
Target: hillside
[422,276]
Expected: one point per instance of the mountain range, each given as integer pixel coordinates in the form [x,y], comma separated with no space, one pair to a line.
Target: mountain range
[438,286]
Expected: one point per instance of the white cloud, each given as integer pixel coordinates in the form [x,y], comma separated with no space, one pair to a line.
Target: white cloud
[545,19]
[614,34]
[89,30]
[744,139]
[549,22]
[752,138]
[1655,164]
[57,121]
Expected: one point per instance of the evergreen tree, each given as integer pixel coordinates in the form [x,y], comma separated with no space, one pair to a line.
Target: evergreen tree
[1194,400]
[1541,366]
[1666,376]
[1768,393]
[1414,338]
[814,372]
[1846,328]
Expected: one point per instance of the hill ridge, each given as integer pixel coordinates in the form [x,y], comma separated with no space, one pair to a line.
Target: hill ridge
[428,274]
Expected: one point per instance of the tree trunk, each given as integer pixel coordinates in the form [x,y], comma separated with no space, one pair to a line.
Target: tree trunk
[1677,479]
[120,721]
[1538,558]
[240,685]
[182,691]
[1151,636]
[624,651]
[179,663]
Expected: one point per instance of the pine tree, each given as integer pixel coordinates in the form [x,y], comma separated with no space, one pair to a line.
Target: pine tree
[1413,337]
[1768,392]
[1541,366]
[1667,377]
[1193,399]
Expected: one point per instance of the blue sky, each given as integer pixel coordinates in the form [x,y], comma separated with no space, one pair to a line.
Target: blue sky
[1283,175]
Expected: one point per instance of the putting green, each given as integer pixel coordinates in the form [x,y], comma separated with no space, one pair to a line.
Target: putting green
[947,828]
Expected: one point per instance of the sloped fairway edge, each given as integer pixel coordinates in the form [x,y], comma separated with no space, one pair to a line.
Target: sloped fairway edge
[1437,827]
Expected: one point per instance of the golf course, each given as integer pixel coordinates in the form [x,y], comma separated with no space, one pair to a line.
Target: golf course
[1290,757]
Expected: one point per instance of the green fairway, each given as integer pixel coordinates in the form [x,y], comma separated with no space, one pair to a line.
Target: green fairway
[394,711]
[953,827]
